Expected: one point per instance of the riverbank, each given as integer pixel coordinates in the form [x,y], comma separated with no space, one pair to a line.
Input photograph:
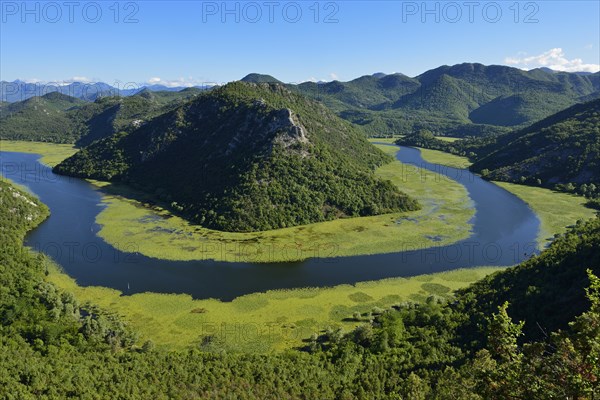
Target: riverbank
[261,322]
[544,202]
[155,227]
[556,210]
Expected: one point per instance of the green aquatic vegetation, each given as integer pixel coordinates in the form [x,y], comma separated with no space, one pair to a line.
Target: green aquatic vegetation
[272,321]
[443,158]
[157,233]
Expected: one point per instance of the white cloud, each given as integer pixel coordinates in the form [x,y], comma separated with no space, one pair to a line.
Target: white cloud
[332,77]
[588,46]
[65,82]
[180,82]
[554,59]
[82,79]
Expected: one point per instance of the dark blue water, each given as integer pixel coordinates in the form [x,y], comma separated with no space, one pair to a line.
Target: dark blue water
[504,233]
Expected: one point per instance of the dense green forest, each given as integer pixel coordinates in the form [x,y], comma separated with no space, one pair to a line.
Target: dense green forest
[247,157]
[470,346]
[39,118]
[424,138]
[260,78]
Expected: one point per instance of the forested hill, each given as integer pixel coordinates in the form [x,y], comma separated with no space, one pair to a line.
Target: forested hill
[58,118]
[561,149]
[248,157]
[52,347]
[42,118]
[260,78]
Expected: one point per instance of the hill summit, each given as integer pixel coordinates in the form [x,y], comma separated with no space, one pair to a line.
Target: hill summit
[248,157]
[260,78]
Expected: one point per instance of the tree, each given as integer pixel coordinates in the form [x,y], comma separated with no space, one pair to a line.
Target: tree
[415,388]
[579,353]
[499,366]
[503,334]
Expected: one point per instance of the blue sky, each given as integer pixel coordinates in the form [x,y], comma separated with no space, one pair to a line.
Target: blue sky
[192,42]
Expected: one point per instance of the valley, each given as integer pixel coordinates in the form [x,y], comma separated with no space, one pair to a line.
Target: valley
[429,237]
[325,200]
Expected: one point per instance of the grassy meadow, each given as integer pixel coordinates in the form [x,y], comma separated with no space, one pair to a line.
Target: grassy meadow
[389,140]
[443,158]
[434,156]
[447,139]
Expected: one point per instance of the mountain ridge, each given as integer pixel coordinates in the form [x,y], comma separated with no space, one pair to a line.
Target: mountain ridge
[454,100]
[468,99]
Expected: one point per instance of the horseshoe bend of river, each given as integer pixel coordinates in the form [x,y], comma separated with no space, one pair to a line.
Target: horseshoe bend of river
[504,231]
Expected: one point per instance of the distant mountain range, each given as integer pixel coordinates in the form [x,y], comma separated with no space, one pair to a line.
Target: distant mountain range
[520,137]
[19,90]
[459,100]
